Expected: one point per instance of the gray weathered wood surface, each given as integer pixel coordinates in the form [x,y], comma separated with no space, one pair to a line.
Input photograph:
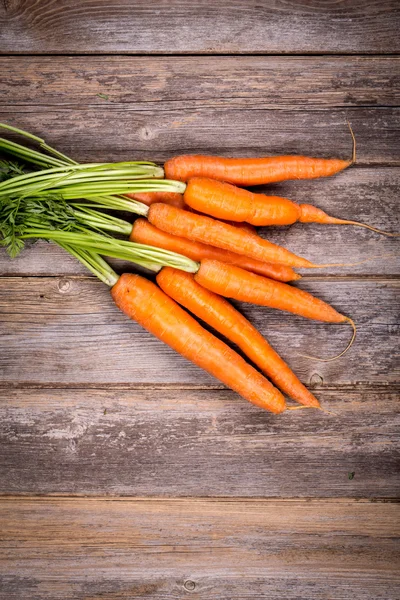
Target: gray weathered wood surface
[298,506]
[92,549]
[206,26]
[169,441]
[128,132]
[259,81]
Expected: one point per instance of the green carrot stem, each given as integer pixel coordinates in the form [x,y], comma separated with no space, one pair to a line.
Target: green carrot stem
[29,155]
[40,141]
[137,253]
[94,262]
[93,190]
[100,220]
[81,174]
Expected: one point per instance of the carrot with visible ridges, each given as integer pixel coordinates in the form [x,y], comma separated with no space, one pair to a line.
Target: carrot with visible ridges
[225,319]
[252,171]
[209,231]
[236,283]
[144,232]
[200,228]
[142,301]
[225,201]
[255,171]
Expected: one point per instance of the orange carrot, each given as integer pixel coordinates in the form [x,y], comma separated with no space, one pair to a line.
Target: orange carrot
[252,171]
[144,302]
[242,225]
[149,198]
[226,201]
[209,231]
[234,282]
[255,171]
[225,319]
[145,233]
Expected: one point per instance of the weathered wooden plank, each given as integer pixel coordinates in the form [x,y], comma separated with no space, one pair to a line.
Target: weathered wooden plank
[196,443]
[67,331]
[369,195]
[176,26]
[187,83]
[110,133]
[88,549]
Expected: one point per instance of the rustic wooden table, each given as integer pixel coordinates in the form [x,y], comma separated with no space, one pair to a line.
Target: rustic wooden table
[125,471]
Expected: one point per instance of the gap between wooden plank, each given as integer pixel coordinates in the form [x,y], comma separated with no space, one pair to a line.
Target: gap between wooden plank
[210,500]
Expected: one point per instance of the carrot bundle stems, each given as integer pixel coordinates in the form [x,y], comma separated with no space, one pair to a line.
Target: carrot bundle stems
[142,301]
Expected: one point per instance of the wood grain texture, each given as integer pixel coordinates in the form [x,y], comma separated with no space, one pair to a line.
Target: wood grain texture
[178,26]
[171,442]
[204,82]
[67,331]
[369,195]
[125,133]
[157,549]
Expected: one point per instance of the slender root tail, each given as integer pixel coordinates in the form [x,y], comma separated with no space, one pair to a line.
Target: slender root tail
[328,412]
[353,158]
[343,222]
[353,337]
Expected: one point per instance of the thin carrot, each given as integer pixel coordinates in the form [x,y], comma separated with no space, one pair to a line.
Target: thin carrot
[255,171]
[225,319]
[149,198]
[142,301]
[225,201]
[209,231]
[234,282]
[144,232]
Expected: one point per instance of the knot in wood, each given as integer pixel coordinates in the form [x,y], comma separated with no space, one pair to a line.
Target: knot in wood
[63,286]
[316,380]
[189,585]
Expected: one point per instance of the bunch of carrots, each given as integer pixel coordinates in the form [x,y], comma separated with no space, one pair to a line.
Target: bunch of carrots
[196,230]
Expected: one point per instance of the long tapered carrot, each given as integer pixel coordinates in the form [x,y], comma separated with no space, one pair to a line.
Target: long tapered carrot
[144,302]
[225,319]
[209,231]
[255,171]
[234,282]
[252,171]
[225,201]
[144,232]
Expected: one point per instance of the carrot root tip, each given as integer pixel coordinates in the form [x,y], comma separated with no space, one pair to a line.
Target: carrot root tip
[353,337]
[353,157]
